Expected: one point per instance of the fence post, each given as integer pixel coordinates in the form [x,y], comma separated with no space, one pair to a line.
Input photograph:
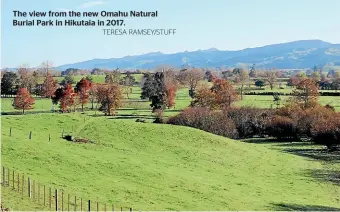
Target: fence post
[121,208]
[33,189]
[50,197]
[105,207]
[13,179]
[44,195]
[49,137]
[75,203]
[68,202]
[8,178]
[3,176]
[10,131]
[97,206]
[30,136]
[62,201]
[130,209]
[29,187]
[89,205]
[113,208]
[18,183]
[56,199]
[23,185]
[81,204]
[38,192]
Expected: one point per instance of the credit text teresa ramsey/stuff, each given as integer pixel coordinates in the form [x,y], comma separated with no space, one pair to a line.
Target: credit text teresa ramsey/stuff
[139,31]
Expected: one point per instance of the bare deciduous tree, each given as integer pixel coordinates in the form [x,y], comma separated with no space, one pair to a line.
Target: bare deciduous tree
[241,78]
[46,66]
[271,78]
[193,77]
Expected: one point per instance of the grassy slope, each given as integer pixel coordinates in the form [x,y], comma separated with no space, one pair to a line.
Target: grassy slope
[15,202]
[160,167]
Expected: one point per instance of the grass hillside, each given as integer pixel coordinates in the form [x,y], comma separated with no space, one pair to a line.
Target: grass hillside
[162,167]
[16,202]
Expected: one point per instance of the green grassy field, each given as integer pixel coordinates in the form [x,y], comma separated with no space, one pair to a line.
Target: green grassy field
[267,101]
[162,167]
[96,78]
[182,101]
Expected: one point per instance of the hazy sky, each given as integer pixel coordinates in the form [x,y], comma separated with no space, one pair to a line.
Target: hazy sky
[200,24]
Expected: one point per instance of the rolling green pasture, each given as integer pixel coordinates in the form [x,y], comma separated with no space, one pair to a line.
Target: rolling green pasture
[267,101]
[163,167]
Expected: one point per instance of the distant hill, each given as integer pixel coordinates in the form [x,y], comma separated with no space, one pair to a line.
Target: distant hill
[297,54]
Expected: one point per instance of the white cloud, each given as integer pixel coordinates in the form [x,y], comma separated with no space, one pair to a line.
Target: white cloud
[92,4]
[63,9]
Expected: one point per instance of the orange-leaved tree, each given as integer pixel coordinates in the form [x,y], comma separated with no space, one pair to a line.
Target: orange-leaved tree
[204,97]
[109,96]
[67,101]
[23,100]
[306,92]
[224,93]
[219,96]
[170,95]
[48,86]
[83,87]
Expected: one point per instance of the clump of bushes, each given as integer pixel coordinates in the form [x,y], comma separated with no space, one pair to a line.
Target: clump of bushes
[249,122]
[327,132]
[207,120]
[294,122]
[283,128]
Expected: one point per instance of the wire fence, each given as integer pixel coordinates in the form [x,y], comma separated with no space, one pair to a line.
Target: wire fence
[49,196]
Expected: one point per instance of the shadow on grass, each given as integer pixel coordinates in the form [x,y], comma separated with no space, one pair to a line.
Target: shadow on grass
[174,110]
[300,148]
[317,154]
[296,207]
[325,175]
[26,112]
[131,116]
[293,144]
[128,109]
[260,140]
[96,115]
[146,110]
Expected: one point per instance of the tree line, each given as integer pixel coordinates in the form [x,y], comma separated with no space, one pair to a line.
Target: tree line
[159,87]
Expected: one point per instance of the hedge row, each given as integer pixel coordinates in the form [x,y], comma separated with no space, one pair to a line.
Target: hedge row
[289,94]
[266,93]
[319,124]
